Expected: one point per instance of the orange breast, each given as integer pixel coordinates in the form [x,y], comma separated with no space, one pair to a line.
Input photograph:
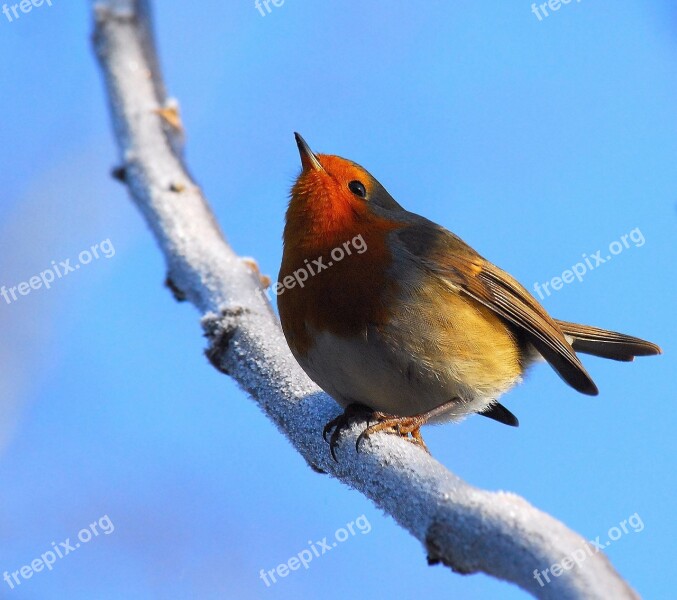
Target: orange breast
[351,290]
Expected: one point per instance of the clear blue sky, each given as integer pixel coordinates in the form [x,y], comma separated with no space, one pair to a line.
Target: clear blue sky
[535,141]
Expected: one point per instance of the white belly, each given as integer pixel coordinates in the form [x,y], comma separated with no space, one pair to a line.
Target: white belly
[388,379]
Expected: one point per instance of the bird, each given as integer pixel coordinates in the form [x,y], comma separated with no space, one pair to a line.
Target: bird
[402,322]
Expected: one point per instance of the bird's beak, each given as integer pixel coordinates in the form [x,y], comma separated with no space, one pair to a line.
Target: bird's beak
[309,159]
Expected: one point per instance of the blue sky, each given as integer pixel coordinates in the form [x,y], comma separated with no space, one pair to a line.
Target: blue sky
[535,141]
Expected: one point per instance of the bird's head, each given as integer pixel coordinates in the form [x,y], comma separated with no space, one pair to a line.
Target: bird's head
[332,198]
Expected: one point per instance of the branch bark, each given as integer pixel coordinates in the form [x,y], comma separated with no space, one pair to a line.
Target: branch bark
[465,528]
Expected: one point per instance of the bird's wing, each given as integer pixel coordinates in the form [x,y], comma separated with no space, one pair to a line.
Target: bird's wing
[450,258]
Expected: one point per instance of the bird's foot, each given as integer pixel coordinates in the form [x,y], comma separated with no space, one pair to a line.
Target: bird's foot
[408,428]
[353,412]
[402,426]
[405,426]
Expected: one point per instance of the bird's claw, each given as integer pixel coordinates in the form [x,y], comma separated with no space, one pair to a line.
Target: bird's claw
[353,412]
[402,426]
[408,428]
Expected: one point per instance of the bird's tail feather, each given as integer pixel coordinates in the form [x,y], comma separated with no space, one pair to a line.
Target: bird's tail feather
[607,344]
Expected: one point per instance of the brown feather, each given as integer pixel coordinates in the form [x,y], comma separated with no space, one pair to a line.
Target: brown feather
[607,344]
[453,259]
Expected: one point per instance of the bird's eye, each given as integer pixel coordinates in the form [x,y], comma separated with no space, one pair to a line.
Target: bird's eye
[357,188]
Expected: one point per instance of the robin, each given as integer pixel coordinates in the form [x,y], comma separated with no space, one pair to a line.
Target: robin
[400,320]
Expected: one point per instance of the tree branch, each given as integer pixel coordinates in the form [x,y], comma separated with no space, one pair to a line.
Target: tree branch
[468,529]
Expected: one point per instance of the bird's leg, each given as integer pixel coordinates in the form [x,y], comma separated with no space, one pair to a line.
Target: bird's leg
[352,413]
[404,426]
